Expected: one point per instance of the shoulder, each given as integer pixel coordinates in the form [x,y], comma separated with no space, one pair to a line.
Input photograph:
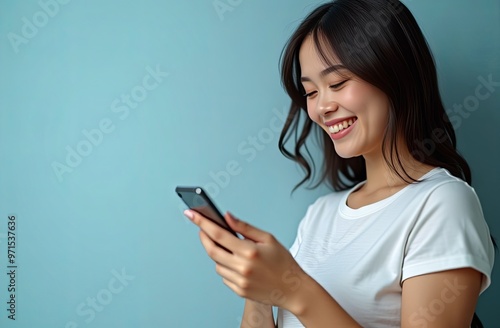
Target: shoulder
[445,201]
[445,190]
[440,176]
[437,187]
[449,230]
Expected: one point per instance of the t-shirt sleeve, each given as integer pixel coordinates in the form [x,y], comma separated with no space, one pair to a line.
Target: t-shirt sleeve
[450,233]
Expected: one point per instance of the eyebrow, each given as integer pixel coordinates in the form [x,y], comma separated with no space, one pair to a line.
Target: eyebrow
[324,72]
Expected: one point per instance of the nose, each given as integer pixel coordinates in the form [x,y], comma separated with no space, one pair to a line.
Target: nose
[326,105]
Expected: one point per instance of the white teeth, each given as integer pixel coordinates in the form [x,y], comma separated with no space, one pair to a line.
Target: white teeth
[333,129]
[341,126]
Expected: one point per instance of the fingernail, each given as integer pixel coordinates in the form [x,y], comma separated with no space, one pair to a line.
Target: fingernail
[189,214]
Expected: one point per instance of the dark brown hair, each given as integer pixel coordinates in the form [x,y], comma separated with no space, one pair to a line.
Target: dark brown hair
[380,42]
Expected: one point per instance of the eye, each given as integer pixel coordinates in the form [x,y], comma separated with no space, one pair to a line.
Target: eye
[338,85]
[310,94]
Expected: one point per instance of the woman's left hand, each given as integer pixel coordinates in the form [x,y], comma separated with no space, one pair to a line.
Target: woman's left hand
[257,267]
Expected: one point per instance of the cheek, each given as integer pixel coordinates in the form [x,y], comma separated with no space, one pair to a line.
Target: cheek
[379,115]
[311,112]
[364,100]
[352,96]
[356,98]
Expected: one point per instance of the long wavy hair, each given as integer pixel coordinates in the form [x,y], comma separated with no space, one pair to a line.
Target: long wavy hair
[380,42]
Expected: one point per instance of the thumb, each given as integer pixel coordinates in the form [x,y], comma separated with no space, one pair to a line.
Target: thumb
[245,229]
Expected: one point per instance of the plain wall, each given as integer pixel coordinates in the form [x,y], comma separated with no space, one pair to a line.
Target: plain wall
[106,106]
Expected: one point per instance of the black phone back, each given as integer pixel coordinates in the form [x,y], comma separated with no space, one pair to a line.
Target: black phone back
[198,200]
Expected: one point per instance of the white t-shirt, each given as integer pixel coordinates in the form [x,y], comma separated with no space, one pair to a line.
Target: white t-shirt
[362,256]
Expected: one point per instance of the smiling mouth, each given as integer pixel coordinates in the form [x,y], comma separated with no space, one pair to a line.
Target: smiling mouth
[336,128]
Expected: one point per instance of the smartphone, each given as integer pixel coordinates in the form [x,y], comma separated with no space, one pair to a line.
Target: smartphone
[198,200]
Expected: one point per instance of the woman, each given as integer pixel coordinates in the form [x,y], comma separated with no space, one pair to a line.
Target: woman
[402,241]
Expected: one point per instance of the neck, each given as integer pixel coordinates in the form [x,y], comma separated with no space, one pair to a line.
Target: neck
[380,176]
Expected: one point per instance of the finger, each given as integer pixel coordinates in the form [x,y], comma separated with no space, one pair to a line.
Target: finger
[218,254]
[234,287]
[237,250]
[230,275]
[218,234]
[247,230]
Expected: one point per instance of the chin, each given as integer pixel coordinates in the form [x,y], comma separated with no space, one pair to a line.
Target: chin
[346,150]
[345,154]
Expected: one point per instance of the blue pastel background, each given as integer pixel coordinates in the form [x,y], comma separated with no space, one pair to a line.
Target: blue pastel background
[106,106]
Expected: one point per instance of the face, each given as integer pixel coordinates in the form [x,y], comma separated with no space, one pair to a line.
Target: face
[353,112]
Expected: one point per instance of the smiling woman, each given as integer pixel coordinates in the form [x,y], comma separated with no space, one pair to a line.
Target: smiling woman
[364,74]
[402,241]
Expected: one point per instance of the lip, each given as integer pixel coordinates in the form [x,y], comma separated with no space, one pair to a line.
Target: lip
[338,120]
[344,132]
